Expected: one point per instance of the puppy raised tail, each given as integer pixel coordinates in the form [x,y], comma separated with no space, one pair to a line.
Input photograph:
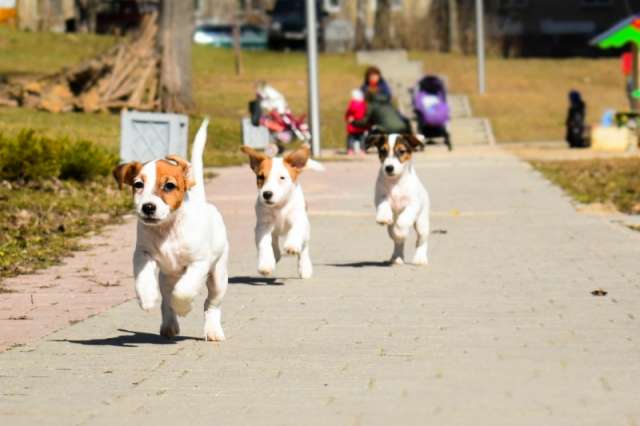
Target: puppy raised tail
[197,152]
[314,165]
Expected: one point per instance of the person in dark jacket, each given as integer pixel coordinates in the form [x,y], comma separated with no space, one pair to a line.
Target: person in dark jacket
[382,116]
[374,83]
[575,120]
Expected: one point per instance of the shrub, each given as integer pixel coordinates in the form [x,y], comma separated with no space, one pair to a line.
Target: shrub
[29,156]
[84,160]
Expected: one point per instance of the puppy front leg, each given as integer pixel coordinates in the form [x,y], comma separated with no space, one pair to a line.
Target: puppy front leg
[405,221]
[384,214]
[145,271]
[188,286]
[264,243]
[170,327]
[297,235]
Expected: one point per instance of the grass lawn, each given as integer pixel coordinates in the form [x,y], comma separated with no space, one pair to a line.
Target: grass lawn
[526,99]
[40,222]
[218,92]
[613,181]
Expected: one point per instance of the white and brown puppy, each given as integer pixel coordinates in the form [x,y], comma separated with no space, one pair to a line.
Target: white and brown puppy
[181,239]
[281,209]
[401,200]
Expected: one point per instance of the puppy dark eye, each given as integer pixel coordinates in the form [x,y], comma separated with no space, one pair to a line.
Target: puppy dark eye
[282,178]
[169,186]
[138,184]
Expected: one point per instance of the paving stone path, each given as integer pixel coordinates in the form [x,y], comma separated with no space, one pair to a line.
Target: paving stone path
[501,328]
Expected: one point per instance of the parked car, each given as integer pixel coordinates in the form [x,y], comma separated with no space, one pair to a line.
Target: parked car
[288,28]
[251,36]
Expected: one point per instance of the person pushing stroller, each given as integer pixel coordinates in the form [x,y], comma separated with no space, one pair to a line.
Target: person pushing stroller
[431,109]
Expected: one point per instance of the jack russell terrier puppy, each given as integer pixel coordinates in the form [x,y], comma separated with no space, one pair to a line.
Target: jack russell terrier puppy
[281,209]
[401,200]
[181,239]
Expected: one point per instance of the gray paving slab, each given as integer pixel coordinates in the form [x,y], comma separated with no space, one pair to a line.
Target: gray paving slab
[500,328]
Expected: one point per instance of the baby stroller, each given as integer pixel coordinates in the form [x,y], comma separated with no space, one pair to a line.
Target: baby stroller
[431,109]
[283,127]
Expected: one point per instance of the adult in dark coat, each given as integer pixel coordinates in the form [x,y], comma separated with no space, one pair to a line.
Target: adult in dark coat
[575,120]
[382,116]
[374,83]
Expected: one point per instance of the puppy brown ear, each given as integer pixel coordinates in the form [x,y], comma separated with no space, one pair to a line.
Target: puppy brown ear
[413,141]
[255,158]
[374,139]
[186,169]
[298,158]
[125,173]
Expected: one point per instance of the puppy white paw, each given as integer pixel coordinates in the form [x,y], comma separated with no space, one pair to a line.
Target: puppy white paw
[420,260]
[147,304]
[181,303]
[266,270]
[170,329]
[397,261]
[305,272]
[213,333]
[384,218]
[292,249]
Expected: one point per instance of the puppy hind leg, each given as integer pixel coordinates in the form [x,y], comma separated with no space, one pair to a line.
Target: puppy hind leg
[217,283]
[422,230]
[170,327]
[305,267]
[397,257]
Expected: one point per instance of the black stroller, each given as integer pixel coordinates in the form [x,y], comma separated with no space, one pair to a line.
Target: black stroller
[431,109]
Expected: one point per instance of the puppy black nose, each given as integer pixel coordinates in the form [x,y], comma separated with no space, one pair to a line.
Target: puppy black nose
[388,169]
[267,195]
[148,208]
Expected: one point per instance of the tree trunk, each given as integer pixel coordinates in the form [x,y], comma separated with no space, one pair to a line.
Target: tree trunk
[383,38]
[360,41]
[454,28]
[176,27]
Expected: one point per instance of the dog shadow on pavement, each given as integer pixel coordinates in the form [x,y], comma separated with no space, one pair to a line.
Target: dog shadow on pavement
[130,340]
[365,264]
[255,280]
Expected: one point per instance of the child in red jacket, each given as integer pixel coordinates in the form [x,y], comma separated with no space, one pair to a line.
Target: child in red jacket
[356,110]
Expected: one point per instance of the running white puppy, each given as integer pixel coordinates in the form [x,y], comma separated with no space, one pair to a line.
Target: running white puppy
[281,209]
[400,198]
[181,239]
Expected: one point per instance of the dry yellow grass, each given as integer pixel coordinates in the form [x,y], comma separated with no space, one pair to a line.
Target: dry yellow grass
[526,99]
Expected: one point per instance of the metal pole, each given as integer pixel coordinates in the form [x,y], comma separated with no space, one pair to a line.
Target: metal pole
[312,65]
[480,45]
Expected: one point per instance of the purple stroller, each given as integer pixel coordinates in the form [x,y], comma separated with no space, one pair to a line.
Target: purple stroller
[431,109]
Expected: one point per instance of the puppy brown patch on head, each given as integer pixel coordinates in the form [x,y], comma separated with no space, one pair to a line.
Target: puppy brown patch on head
[295,161]
[402,150]
[412,141]
[126,173]
[260,164]
[186,169]
[380,141]
[171,181]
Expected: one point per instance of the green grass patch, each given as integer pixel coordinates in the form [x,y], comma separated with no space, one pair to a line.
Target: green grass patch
[41,222]
[526,99]
[218,91]
[611,181]
[52,191]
